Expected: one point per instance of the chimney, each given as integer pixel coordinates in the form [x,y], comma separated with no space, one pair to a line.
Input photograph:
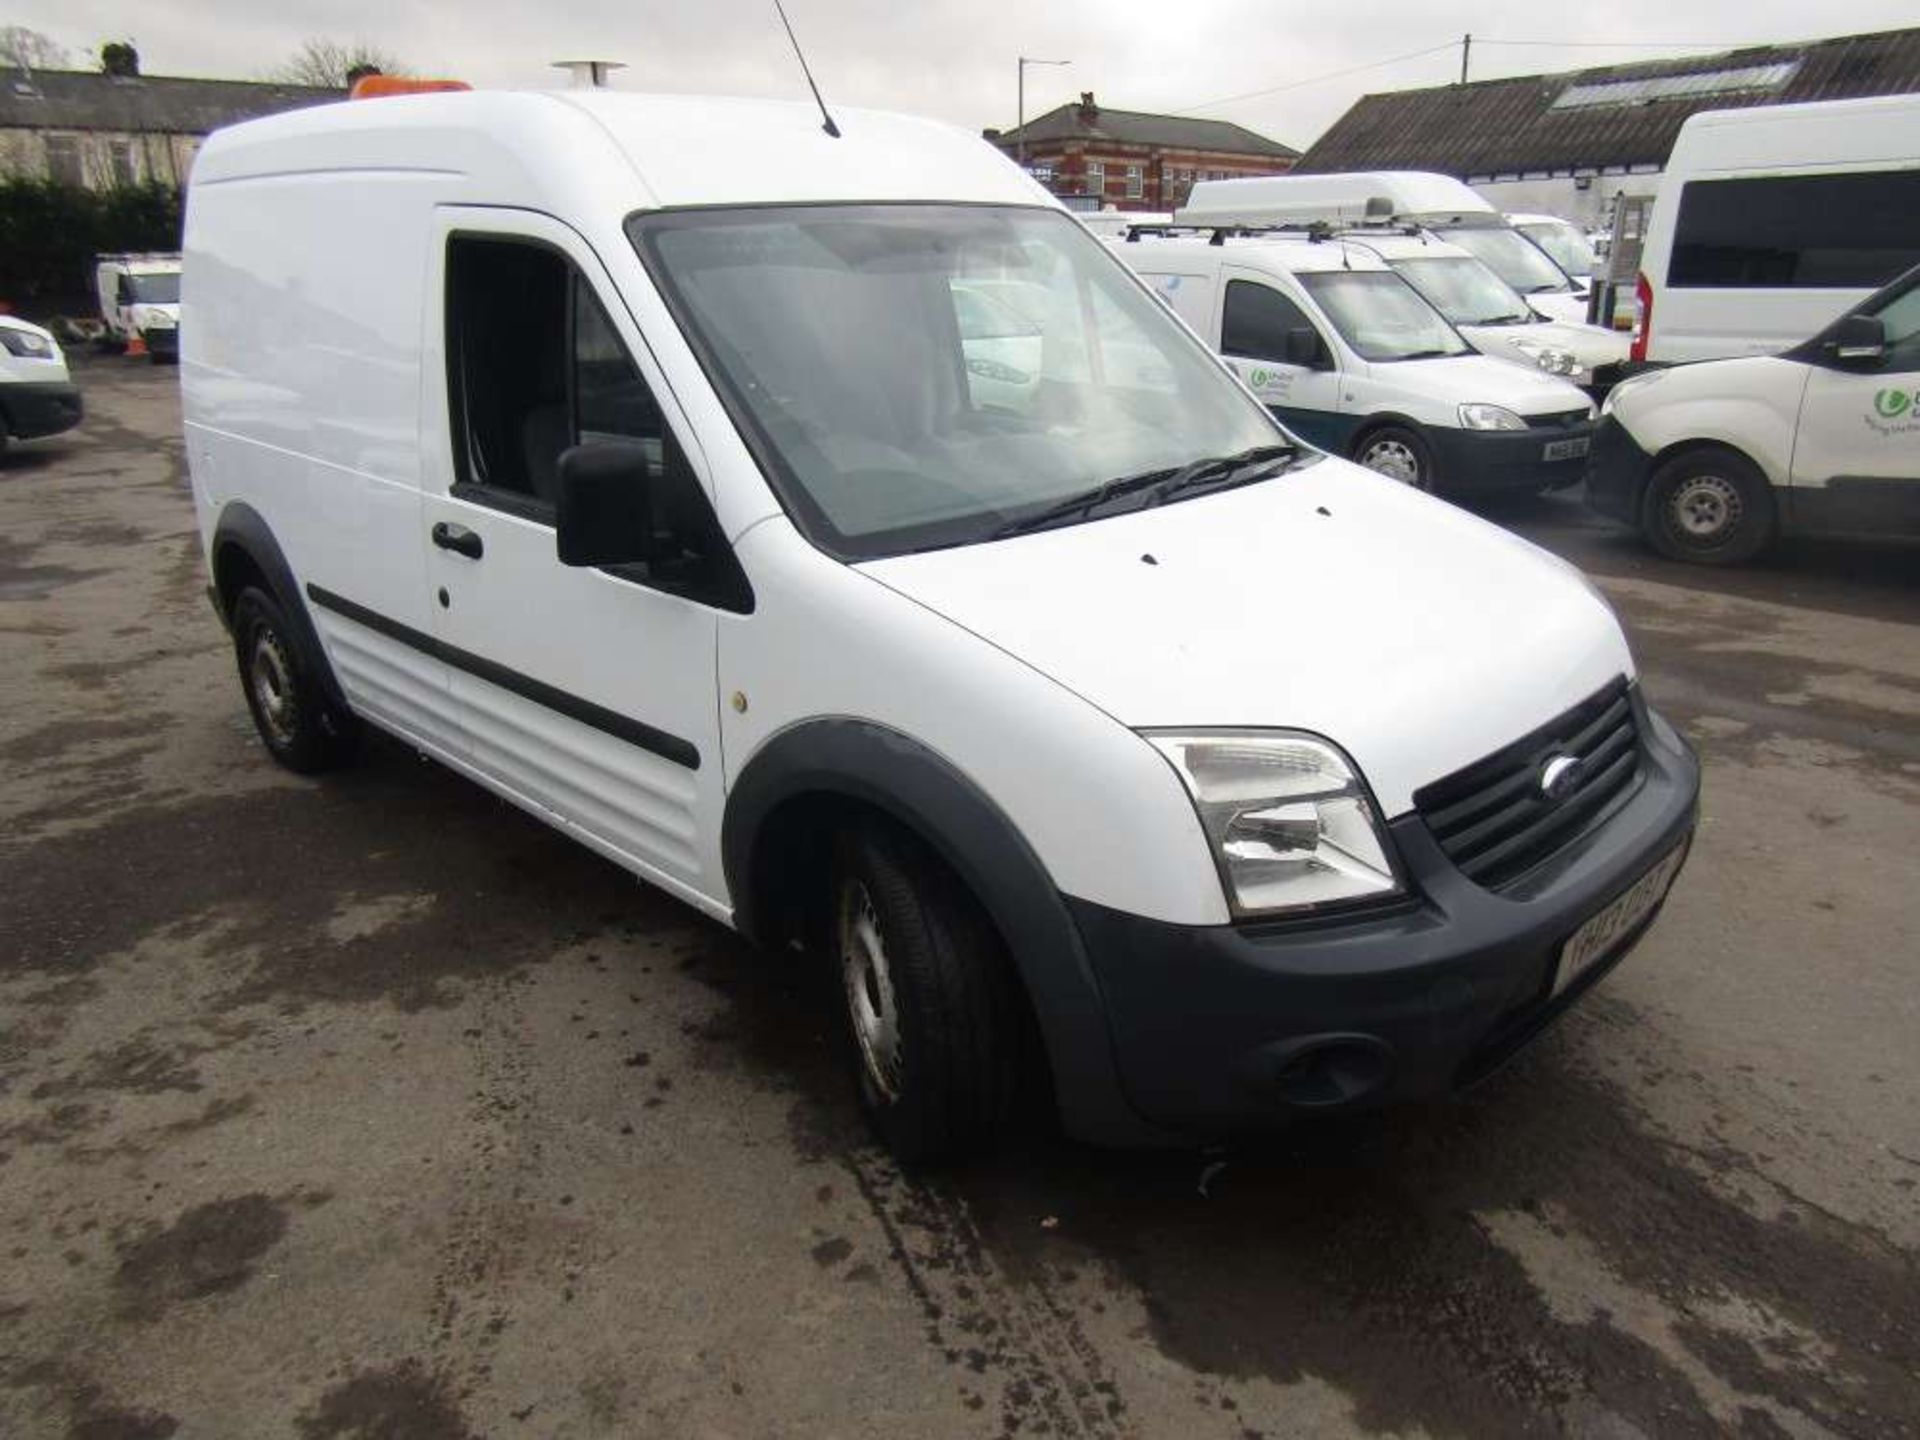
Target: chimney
[1089,112]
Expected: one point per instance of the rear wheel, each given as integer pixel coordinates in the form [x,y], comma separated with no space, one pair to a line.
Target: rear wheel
[1709,506]
[290,710]
[930,998]
[1398,453]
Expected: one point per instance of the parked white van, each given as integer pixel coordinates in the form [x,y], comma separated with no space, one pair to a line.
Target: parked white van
[1492,316]
[1773,221]
[1350,358]
[1440,204]
[140,300]
[1566,244]
[626,454]
[37,396]
[1712,461]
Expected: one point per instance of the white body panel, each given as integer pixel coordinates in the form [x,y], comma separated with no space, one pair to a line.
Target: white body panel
[1749,405]
[1198,639]
[1876,136]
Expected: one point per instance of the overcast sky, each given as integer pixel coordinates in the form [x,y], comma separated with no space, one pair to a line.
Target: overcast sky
[955,59]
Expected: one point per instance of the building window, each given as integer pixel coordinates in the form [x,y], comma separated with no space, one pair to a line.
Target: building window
[63,161]
[120,156]
[1096,178]
[1136,184]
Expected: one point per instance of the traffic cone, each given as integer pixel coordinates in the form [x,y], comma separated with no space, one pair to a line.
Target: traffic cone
[136,344]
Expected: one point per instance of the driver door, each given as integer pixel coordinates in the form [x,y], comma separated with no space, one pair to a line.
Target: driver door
[1856,452]
[1283,356]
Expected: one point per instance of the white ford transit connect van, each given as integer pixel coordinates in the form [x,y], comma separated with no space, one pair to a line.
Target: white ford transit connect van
[1443,206]
[37,395]
[1773,221]
[1353,360]
[632,455]
[1712,461]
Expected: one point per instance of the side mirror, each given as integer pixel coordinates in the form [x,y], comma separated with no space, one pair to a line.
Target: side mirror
[1304,347]
[604,513]
[1858,340]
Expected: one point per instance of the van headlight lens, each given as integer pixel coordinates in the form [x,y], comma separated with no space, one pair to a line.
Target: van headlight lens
[1490,417]
[27,344]
[1289,821]
[1551,358]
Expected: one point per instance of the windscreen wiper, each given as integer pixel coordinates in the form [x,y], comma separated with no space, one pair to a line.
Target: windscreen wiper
[1226,470]
[1162,482]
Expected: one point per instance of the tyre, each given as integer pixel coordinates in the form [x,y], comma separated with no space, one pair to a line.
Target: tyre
[930,998]
[1710,506]
[290,710]
[1398,453]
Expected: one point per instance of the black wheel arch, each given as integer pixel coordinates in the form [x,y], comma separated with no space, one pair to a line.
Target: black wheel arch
[821,772]
[244,552]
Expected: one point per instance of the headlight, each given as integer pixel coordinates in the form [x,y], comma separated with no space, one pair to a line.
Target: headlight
[1286,814]
[1552,359]
[1490,417]
[25,342]
[160,320]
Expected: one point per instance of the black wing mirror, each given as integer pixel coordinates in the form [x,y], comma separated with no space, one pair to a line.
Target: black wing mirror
[605,514]
[1858,340]
[1304,347]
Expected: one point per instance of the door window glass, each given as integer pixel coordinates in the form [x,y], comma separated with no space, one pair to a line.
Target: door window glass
[1901,319]
[1257,320]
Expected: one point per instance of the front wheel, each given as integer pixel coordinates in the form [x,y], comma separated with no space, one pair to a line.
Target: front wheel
[290,710]
[1711,507]
[930,998]
[1398,453]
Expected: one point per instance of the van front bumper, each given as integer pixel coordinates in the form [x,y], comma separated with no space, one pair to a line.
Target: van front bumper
[1617,472]
[1238,1028]
[1471,461]
[35,408]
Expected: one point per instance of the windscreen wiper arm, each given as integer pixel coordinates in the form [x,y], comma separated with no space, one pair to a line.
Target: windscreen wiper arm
[1162,482]
[1241,469]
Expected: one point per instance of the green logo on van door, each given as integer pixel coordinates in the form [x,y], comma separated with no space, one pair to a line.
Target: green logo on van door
[1892,404]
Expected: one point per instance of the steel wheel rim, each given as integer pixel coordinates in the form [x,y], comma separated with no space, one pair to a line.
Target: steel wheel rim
[1704,509]
[270,673]
[1394,459]
[867,979]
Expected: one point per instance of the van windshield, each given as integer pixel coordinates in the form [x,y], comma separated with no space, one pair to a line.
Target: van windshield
[1464,290]
[1511,256]
[1381,317]
[920,376]
[1564,244]
[156,287]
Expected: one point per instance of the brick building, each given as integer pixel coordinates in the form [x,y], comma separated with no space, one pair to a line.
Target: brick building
[1132,161]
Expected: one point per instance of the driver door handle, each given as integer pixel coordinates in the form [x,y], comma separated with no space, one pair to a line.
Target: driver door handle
[458,539]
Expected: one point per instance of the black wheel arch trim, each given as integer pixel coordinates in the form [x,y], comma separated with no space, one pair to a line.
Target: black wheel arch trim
[241,526]
[848,759]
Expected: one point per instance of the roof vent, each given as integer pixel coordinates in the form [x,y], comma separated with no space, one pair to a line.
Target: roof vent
[589,74]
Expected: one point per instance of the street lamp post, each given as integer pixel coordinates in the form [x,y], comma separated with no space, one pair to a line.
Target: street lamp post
[1021,121]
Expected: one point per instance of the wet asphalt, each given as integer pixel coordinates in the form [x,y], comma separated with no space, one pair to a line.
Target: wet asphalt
[367,1107]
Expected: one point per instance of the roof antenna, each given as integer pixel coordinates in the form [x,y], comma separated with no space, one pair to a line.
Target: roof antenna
[831,128]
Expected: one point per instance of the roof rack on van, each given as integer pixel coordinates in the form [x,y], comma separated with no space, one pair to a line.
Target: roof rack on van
[1312,230]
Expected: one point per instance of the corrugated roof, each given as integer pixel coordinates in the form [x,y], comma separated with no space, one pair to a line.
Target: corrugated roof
[1134,127]
[88,100]
[1618,115]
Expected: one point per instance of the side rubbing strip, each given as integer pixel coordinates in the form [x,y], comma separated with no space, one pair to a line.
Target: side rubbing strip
[633,732]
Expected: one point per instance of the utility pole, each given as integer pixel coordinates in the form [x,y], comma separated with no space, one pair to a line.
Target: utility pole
[1466,49]
[1021,122]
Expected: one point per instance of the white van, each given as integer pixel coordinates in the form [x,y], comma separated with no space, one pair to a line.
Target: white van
[1773,221]
[1712,461]
[1566,245]
[1492,316]
[1350,358]
[140,300]
[626,454]
[1439,204]
[37,395]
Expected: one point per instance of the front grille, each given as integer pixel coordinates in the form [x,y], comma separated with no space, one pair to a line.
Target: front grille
[1560,420]
[1495,821]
